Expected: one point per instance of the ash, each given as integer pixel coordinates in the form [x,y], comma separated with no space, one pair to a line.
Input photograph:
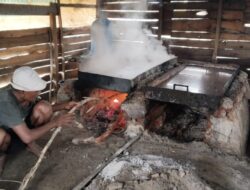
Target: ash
[147,172]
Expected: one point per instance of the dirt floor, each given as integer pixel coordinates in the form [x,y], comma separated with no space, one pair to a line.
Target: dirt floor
[153,162]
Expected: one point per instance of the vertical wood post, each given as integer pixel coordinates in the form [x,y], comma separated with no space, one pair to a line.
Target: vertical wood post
[160,19]
[55,65]
[99,6]
[217,34]
[61,45]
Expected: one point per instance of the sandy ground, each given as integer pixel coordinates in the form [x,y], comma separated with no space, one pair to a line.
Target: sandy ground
[153,162]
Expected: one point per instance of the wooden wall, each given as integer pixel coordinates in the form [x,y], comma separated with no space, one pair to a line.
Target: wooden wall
[36,48]
[220,34]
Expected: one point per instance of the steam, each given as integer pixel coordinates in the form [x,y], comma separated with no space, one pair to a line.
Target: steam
[123,48]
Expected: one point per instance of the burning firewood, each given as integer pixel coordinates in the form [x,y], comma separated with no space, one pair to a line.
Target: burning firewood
[106,108]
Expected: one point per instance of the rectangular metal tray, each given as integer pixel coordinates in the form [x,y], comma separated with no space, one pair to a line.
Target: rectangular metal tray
[123,81]
[195,85]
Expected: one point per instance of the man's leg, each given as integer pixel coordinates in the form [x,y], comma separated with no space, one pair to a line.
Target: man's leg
[41,114]
[4,144]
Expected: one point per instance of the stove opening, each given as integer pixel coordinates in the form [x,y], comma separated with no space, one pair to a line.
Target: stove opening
[176,121]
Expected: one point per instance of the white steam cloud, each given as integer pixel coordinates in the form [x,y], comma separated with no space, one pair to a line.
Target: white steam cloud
[123,48]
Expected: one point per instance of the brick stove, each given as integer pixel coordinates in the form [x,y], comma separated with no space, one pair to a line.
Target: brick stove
[187,102]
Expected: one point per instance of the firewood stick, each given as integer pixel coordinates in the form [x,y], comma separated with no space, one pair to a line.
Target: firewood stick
[31,173]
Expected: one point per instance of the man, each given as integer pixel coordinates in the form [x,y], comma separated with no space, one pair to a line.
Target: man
[22,117]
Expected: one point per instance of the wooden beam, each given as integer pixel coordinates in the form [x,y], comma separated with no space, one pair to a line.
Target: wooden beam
[217,34]
[14,9]
[78,5]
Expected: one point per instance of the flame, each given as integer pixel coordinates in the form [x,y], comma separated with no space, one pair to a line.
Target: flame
[114,98]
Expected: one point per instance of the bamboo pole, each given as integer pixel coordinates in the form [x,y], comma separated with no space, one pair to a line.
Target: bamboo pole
[31,173]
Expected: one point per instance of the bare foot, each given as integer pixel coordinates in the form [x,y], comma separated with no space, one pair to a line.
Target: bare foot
[2,162]
[34,148]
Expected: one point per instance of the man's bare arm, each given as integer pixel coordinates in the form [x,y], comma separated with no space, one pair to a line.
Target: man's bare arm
[29,135]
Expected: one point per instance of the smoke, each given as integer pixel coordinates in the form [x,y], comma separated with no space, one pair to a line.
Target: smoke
[123,47]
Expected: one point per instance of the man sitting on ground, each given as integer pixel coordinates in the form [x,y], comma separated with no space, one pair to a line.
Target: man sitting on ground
[22,116]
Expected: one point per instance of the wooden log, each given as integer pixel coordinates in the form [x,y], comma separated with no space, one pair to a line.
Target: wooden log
[87,180]
[12,9]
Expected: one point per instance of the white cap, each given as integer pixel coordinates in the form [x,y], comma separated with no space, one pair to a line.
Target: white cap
[26,79]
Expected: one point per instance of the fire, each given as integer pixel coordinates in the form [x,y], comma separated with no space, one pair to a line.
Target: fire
[107,108]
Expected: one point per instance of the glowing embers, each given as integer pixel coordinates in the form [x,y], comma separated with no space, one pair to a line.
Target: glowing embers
[105,112]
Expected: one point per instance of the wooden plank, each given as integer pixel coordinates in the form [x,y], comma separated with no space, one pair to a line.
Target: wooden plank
[19,51]
[12,9]
[21,33]
[70,74]
[128,5]
[191,43]
[143,23]
[76,39]
[193,25]
[243,54]
[235,45]
[72,65]
[223,36]
[191,5]
[211,5]
[192,53]
[10,69]
[78,5]
[76,53]
[20,60]
[226,15]
[233,15]
[233,26]
[75,31]
[24,41]
[76,46]
[119,14]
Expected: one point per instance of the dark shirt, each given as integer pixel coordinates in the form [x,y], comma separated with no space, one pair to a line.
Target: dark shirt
[11,112]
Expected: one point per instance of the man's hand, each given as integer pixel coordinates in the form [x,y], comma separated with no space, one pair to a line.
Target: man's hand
[64,120]
[70,105]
